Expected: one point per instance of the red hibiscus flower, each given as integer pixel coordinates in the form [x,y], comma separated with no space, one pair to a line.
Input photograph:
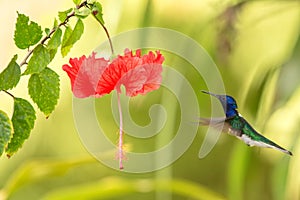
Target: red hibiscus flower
[96,77]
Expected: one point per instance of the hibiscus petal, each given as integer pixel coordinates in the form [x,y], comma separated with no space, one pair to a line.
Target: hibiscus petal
[133,81]
[116,70]
[139,74]
[153,80]
[72,70]
[85,74]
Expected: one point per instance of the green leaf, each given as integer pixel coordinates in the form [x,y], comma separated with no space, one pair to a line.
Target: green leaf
[44,90]
[55,23]
[54,43]
[26,34]
[55,40]
[64,48]
[23,122]
[97,12]
[52,53]
[83,12]
[71,37]
[39,60]
[5,131]
[10,76]
[47,31]
[62,16]
[77,2]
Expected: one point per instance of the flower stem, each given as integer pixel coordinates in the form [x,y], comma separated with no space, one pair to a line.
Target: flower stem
[120,145]
[107,35]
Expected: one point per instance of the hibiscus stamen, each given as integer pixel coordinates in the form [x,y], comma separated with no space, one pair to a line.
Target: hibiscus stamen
[120,146]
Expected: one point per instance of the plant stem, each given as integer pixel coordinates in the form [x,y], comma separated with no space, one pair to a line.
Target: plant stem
[120,145]
[10,94]
[110,42]
[107,34]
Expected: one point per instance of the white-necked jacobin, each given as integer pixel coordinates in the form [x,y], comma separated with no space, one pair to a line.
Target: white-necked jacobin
[236,125]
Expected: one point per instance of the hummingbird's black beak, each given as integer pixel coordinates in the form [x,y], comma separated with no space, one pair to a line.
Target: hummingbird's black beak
[206,92]
[219,97]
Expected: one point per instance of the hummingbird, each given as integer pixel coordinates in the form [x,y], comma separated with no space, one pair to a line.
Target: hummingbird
[234,124]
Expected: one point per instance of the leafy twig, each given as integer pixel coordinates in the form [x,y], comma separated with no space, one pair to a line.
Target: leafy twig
[48,36]
[101,22]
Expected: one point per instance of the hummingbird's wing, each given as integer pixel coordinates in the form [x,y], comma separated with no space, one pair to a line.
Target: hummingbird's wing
[211,121]
[252,138]
[220,123]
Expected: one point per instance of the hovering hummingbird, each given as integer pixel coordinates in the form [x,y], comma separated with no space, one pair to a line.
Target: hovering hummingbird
[236,125]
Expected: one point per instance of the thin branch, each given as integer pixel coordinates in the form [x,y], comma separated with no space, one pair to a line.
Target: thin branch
[26,57]
[10,94]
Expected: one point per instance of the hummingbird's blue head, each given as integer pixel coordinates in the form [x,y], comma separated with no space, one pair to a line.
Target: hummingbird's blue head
[228,103]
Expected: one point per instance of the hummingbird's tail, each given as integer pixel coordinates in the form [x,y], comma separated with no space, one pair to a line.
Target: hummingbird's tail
[273,145]
[262,141]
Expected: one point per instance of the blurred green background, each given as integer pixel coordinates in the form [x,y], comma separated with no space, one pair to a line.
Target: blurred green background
[256,45]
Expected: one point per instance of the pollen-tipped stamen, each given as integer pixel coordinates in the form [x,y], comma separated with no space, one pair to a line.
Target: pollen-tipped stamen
[120,145]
